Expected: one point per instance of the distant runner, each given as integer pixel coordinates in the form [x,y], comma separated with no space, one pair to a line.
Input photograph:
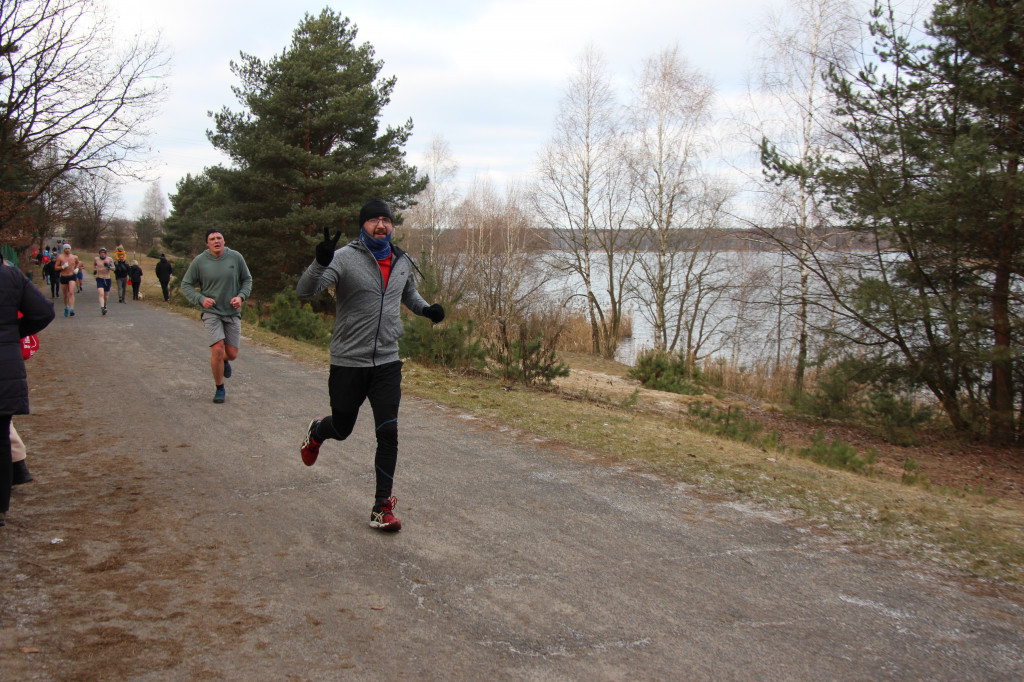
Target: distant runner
[103,268]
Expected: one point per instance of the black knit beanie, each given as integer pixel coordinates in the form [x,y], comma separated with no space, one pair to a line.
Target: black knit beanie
[374,208]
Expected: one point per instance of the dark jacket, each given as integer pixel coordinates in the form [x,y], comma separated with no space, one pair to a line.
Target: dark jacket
[120,269]
[18,294]
[135,274]
[163,270]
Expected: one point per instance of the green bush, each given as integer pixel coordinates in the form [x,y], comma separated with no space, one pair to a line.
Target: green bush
[154,251]
[896,417]
[449,344]
[525,356]
[732,423]
[834,395]
[660,371]
[838,455]
[290,318]
[912,473]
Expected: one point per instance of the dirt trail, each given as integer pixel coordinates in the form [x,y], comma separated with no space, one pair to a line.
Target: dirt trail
[166,537]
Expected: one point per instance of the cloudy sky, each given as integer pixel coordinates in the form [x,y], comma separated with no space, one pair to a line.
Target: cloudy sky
[486,75]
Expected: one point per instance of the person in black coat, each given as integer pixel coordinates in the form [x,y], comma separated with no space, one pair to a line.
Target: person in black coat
[121,269]
[135,277]
[17,294]
[163,273]
[52,279]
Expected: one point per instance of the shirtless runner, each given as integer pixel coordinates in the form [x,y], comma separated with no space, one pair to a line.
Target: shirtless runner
[67,266]
[102,266]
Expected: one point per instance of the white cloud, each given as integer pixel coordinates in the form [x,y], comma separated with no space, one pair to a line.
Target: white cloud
[486,75]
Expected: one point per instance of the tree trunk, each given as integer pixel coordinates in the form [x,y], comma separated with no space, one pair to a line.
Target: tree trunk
[1001,397]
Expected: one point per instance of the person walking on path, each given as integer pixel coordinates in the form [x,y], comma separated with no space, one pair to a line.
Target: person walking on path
[102,269]
[51,278]
[223,282]
[135,276]
[67,266]
[371,279]
[121,270]
[163,273]
[17,295]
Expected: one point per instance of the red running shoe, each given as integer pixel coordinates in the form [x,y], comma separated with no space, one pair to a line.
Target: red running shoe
[383,516]
[310,448]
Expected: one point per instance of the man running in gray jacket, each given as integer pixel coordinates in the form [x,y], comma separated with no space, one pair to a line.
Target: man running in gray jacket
[371,279]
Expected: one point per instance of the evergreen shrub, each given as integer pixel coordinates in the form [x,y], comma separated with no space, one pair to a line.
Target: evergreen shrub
[661,371]
[290,318]
[449,344]
[733,424]
[833,396]
[896,417]
[524,355]
[838,455]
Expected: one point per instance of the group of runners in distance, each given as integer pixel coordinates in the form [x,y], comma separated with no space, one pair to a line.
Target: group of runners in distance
[68,269]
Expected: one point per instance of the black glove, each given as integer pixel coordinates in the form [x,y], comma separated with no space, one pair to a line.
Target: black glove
[325,249]
[434,312]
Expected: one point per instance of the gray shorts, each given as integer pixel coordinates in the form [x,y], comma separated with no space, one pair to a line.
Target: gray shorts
[226,328]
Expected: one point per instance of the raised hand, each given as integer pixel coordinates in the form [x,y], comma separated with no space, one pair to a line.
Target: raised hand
[325,249]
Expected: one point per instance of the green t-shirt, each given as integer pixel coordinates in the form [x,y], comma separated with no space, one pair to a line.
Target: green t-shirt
[218,278]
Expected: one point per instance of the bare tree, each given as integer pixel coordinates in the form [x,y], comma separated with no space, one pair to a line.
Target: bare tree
[96,199]
[503,279]
[799,45]
[679,204]
[584,197]
[73,99]
[121,230]
[433,215]
[149,225]
[154,203]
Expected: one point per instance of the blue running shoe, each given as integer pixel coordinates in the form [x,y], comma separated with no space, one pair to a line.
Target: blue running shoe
[227,369]
[220,395]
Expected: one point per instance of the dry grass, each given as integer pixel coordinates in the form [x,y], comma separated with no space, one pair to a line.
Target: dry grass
[756,379]
[577,334]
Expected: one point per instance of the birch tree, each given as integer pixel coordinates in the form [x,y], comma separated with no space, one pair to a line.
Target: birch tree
[430,221]
[678,204]
[584,197]
[798,45]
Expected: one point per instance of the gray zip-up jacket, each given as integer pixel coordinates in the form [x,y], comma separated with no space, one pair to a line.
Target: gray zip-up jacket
[367,323]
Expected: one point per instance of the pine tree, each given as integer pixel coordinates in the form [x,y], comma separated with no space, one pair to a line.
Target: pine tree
[929,176]
[308,148]
[981,49]
[201,202]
